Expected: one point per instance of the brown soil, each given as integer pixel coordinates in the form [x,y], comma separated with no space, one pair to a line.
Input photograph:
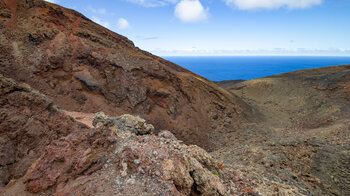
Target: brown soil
[85,118]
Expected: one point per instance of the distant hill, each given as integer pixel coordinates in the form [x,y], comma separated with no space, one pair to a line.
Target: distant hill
[228,83]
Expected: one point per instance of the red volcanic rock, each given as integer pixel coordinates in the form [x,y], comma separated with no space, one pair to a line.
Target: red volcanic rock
[110,161]
[28,122]
[84,67]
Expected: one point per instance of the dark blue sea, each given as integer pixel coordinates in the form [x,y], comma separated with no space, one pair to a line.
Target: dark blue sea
[250,67]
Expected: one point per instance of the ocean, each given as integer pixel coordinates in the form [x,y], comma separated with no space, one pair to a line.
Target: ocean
[250,67]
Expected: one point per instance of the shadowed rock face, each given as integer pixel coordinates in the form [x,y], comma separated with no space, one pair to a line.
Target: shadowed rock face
[86,68]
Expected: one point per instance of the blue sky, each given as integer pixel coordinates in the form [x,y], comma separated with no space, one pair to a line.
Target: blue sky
[226,27]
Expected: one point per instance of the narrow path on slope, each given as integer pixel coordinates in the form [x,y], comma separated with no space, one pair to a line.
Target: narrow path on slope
[85,118]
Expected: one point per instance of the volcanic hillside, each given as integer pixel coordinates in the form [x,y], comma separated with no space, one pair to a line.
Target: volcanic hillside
[86,68]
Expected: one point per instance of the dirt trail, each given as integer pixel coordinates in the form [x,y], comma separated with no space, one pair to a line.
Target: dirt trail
[85,118]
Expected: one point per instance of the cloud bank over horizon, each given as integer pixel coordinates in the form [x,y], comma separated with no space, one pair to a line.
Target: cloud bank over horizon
[253,52]
[272,4]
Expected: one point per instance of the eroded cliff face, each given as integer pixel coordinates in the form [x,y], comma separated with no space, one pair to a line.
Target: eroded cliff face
[86,68]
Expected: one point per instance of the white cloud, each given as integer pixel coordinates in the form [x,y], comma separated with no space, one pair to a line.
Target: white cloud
[123,23]
[153,3]
[272,4]
[253,52]
[97,11]
[100,22]
[190,11]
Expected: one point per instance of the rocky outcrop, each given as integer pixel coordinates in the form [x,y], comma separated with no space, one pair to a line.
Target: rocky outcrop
[84,67]
[124,123]
[109,161]
[120,161]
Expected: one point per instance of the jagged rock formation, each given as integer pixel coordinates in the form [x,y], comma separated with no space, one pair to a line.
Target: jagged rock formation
[84,67]
[126,164]
[135,125]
